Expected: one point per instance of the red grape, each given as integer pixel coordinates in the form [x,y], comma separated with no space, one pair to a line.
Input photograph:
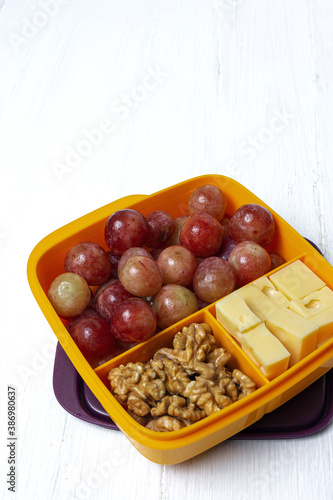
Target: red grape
[228,243]
[141,276]
[109,297]
[213,279]
[202,303]
[209,199]
[250,261]
[174,239]
[125,229]
[178,265]
[202,234]
[276,260]
[100,288]
[252,222]
[160,228]
[69,294]
[93,336]
[173,303]
[114,259]
[89,312]
[116,350]
[225,223]
[156,252]
[130,253]
[133,321]
[90,261]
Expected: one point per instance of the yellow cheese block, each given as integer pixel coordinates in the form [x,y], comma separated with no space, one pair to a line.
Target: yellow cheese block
[276,296]
[234,315]
[267,287]
[296,280]
[266,351]
[314,303]
[262,282]
[258,302]
[324,321]
[297,334]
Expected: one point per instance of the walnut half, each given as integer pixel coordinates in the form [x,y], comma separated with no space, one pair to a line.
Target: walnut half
[177,406]
[167,424]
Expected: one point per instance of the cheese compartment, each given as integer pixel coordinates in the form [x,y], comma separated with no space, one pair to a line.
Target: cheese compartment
[47,261]
[281,318]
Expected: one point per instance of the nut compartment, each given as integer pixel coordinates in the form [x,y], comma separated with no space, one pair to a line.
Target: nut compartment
[46,261]
[176,446]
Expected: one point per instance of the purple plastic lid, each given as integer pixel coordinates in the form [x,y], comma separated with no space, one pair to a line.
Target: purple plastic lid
[296,418]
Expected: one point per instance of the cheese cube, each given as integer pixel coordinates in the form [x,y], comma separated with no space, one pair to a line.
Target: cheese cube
[296,280]
[266,351]
[267,287]
[258,302]
[297,334]
[324,321]
[234,315]
[262,282]
[314,303]
[276,296]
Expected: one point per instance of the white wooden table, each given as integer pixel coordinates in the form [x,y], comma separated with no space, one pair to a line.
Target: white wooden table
[99,100]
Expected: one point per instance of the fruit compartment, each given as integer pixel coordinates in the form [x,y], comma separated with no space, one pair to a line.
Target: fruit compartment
[146,350]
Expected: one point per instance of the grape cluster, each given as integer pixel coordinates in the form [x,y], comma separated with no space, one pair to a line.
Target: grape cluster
[158,270]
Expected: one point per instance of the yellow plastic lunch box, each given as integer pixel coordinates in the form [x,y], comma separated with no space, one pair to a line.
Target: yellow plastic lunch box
[47,261]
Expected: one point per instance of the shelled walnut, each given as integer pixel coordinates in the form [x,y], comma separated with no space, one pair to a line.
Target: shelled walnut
[181,385]
[167,423]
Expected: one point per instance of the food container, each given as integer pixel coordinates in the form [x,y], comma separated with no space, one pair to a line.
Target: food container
[47,261]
